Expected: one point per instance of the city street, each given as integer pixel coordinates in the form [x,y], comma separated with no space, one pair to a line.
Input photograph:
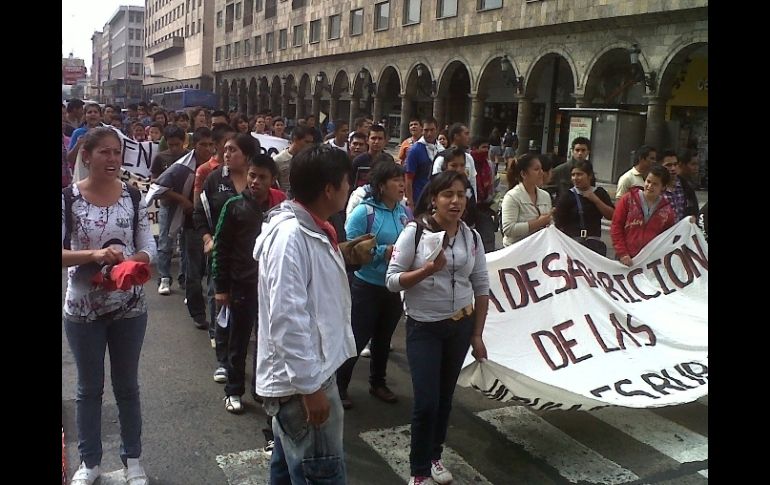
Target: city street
[189,438]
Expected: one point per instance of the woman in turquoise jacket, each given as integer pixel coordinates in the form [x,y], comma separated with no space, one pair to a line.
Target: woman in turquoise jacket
[376,311]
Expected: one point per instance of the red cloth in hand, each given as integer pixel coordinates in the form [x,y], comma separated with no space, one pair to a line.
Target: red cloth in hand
[130,273]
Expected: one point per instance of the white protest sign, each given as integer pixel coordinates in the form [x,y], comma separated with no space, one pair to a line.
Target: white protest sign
[569,329]
[271,145]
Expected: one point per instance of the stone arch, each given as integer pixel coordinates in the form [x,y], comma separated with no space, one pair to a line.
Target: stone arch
[263,96]
[386,75]
[602,54]
[243,94]
[419,89]
[252,99]
[303,95]
[232,102]
[493,62]
[610,81]
[558,51]
[275,95]
[290,92]
[341,85]
[455,85]
[448,70]
[678,57]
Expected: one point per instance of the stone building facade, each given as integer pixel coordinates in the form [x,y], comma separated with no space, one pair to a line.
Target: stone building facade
[178,41]
[488,63]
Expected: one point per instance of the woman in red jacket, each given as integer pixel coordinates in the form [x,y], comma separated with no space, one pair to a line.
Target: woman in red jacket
[641,215]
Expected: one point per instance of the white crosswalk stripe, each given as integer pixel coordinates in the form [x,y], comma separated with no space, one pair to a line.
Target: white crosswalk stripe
[250,467]
[665,436]
[574,461]
[393,445]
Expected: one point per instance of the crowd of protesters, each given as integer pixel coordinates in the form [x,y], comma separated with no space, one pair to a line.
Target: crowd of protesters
[319,250]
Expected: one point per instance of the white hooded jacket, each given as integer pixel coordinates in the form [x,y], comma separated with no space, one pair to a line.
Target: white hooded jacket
[304,305]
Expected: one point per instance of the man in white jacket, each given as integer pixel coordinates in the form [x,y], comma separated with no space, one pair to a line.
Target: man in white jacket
[304,333]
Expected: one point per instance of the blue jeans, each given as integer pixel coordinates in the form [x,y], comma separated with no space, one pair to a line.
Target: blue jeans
[88,342]
[305,454]
[436,351]
[374,315]
[166,241]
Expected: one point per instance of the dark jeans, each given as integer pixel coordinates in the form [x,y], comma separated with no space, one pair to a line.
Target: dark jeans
[219,334]
[436,351]
[374,315]
[196,263]
[243,318]
[485,225]
[89,342]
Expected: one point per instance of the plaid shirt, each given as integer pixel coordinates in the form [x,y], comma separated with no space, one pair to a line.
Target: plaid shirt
[677,199]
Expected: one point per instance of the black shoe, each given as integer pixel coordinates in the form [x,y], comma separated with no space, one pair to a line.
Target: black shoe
[383,393]
[181,282]
[200,322]
[346,402]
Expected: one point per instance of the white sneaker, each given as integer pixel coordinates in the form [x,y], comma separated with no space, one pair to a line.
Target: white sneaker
[367,352]
[85,476]
[233,404]
[135,473]
[421,481]
[220,375]
[164,288]
[440,474]
[213,343]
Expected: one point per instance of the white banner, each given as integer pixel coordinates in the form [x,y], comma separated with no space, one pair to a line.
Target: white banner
[569,329]
[271,145]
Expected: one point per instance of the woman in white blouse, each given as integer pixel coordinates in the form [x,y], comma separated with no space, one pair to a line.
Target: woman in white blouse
[99,229]
[526,208]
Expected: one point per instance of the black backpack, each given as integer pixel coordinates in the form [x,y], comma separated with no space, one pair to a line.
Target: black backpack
[69,199]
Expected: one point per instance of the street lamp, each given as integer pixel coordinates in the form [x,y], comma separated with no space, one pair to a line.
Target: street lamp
[649,79]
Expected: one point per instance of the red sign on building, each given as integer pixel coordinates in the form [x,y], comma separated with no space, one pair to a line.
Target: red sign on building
[71,74]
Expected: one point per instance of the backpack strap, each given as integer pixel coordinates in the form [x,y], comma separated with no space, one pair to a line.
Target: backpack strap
[68,199]
[369,218]
[583,230]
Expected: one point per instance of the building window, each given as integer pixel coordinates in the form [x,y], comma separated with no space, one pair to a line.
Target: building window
[130,34]
[257,45]
[238,10]
[269,41]
[219,19]
[334,26]
[248,12]
[229,16]
[218,54]
[295,4]
[282,38]
[356,22]
[192,31]
[227,51]
[187,31]
[236,50]
[412,11]
[298,37]
[382,16]
[315,31]
[246,47]
[200,24]
[258,5]
[489,4]
[270,9]
[446,8]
